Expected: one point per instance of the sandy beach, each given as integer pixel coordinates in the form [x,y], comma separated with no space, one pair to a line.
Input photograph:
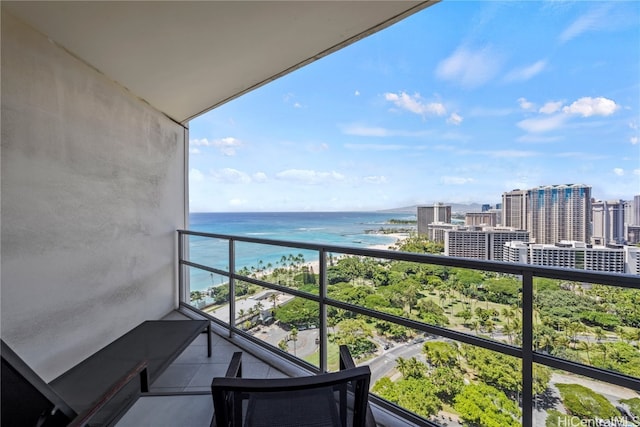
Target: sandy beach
[397,236]
[315,265]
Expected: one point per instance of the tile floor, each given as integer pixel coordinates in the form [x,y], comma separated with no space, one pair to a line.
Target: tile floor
[191,372]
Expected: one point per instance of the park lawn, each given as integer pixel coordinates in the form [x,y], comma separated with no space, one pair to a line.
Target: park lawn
[333,357]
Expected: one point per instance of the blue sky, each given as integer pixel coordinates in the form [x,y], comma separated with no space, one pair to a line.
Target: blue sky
[458,103]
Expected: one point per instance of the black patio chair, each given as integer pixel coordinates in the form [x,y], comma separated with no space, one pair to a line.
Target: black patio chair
[330,399]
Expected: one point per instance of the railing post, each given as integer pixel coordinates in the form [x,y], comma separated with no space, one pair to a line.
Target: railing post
[232,287]
[527,349]
[322,330]
[181,291]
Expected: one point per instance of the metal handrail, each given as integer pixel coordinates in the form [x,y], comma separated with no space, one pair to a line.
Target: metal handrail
[526,271]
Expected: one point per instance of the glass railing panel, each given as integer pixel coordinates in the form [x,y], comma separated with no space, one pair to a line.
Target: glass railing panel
[208,251]
[208,292]
[282,320]
[471,301]
[445,381]
[284,266]
[574,400]
[588,323]
[484,303]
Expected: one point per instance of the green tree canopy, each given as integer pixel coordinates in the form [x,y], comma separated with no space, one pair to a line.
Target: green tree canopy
[584,403]
[483,405]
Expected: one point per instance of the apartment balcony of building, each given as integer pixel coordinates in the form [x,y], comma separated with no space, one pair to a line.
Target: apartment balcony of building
[96,101]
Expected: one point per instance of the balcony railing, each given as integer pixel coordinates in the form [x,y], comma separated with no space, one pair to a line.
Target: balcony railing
[217,256]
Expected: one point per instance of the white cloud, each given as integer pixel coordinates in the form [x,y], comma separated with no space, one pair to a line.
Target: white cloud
[363,130]
[227,146]
[470,68]
[587,107]
[309,176]
[595,19]
[544,124]
[194,151]
[195,175]
[203,141]
[633,140]
[550,107]
[525,105]
[455,180]
[580,155]
[415,104]
[636,171]
[537,139]
[317,148]
[231,176]
[376,147]
[297,105]
[357,93]
[510,153]
[455,119]
[260,177]
[555,116]
[490,112]
[526,73]
[375,179]
[618,171]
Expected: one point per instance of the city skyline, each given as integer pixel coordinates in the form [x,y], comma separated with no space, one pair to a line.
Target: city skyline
[458,104]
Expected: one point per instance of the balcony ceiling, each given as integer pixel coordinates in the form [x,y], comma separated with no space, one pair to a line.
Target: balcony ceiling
[185,57]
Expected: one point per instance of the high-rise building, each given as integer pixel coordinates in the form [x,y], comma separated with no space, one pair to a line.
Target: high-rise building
[435,231]
[633,234]
[636,210]
[559,212]
[575,255]
[439,212]
[486,243]
[608,221]
[514,209]
[485,207]
[631,260]
[481,218]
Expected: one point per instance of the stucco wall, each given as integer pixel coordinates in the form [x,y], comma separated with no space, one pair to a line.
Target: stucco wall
[92,193]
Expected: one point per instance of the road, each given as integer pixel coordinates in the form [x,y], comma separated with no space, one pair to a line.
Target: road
[381,365]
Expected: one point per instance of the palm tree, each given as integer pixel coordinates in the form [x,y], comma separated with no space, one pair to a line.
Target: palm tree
[508,331]
[603,348]
[546,342]
[475,325]
[401,365]
[489,327]
[586,346]
[294,337]
[274,299]
[508,314]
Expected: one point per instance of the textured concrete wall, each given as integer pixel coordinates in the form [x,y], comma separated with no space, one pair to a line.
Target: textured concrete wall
[92,193]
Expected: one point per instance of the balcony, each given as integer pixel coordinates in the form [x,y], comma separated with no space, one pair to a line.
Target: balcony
[96,101]
[512,335]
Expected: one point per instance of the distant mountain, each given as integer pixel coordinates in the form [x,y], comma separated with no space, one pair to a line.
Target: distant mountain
[459,208]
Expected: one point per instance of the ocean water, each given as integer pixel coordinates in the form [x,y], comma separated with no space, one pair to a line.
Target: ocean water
[333,228]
